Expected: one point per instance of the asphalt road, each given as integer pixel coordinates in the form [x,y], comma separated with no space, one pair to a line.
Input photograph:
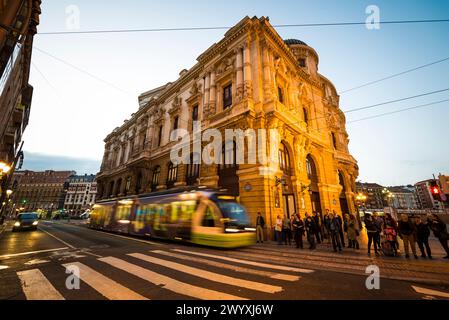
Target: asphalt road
[33,265]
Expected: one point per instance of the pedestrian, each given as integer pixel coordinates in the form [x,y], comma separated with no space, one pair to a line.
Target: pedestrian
[317,219]
[353,232]
[278,229]
[298,230]
[378,221]
[422,237]
[371,231]
[326,221]
[440,231]
[335,227]
[389,220]
[391,235]
[260,225]
[340,232]
[310,227]
[287,231]
[407,234]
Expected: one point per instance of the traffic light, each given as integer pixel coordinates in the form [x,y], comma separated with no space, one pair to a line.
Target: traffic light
[435,191]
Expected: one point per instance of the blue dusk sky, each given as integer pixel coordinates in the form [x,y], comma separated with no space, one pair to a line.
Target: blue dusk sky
[72,113]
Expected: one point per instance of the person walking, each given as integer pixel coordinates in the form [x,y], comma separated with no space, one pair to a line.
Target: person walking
[371,231]
[340,232]
[353,232]
[310,227]
[440,231]
[278,229]
[334,227]
[298,230]
[260,225]
[287,231]
[407,234]
[422,237]
[317,219]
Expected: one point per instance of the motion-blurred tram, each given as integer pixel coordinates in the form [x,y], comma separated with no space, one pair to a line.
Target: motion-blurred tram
[199,216]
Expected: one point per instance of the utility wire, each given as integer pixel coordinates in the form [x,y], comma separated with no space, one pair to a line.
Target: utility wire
[398,111]
[394,75]
[225,28]
[82,71]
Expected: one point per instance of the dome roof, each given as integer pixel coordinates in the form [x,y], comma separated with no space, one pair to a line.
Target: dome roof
[294,41]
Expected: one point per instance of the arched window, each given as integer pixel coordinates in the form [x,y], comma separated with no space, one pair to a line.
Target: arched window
[155,178]
[284,159]
[311,169]
[193,169]
[172,174]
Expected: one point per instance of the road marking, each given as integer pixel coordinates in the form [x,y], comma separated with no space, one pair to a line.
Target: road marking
[211,276]
[248,262]
[104,285]
[129,238]
[278,276]
[36,261]
[59,239]
[430,292]
[36,286]
[30,252]
[169,283]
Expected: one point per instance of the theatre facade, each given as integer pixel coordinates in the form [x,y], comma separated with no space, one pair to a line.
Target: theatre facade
[250,79]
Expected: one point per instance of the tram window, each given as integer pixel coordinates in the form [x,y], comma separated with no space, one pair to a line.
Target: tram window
[208,219]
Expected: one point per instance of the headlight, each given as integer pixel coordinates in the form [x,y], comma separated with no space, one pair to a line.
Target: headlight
[17,224]
[35,223]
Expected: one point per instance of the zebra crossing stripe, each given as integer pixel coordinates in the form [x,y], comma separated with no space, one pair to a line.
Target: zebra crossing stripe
[278,276]
[258,286]
[248,262]
[37,287]
[104,285]
[167,282]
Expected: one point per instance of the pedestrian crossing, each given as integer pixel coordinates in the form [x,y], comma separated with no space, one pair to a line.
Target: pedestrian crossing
[158,273]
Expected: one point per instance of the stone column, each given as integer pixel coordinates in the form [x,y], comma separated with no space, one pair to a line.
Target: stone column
[267,77]
[247,71]
[239,69]
[206,94]
[212,94]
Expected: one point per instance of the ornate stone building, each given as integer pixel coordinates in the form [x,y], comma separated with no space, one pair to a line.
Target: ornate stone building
[251,78]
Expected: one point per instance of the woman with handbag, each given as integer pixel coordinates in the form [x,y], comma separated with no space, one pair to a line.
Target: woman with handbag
[440,231]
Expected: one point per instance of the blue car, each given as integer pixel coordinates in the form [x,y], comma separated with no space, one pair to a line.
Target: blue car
[26,221]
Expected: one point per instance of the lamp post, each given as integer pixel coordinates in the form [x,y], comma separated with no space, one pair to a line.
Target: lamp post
[360,199]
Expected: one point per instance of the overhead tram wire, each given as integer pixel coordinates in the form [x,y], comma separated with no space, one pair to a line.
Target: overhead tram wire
[398,111]
[394,75]
[330,24]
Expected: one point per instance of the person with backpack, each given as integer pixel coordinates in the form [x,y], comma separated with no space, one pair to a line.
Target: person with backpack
[310,227]
[440,231]
[407,234]
[298,230]
[334,227]
[422,237]
[371,231]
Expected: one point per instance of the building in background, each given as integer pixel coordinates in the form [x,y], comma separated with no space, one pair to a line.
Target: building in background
[375,195]
[18,23]
[80,195]
[43,190]
[444,186]
[251,78]
[425,198]
[404,197]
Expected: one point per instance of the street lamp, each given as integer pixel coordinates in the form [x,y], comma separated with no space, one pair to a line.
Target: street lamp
[360,198]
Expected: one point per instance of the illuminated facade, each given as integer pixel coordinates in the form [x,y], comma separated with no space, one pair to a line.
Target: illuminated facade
[251,78]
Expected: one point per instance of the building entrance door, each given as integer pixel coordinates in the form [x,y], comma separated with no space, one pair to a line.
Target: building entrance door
[289,204]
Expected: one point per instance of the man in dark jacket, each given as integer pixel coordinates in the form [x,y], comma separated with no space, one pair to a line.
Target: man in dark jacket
[310,226]
[317,219]
[440,231]
[371,231]
[298,230]
[407,234]
[260,224]
[422,236]
[340,231]
[335,227]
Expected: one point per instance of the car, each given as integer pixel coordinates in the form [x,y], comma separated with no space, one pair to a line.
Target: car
[85,215]
[26,220]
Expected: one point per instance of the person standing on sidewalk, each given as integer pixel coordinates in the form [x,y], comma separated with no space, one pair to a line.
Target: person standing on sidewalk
[260,224]
[298,230]
[371,231]
[422,236]
[440,231]
[407,234]
[310,226]
[340,232]
[334,227]
[391,235]
[326,221]
[379,222]
[287,231]
[278,229]
[317,219]
[389,220]
[353,232]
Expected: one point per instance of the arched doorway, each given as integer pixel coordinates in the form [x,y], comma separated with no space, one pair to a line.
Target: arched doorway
[314,190]
[288,196]
[343,201]
[227,172]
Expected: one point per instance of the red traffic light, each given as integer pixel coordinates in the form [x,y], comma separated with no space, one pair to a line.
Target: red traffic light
[435,190]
